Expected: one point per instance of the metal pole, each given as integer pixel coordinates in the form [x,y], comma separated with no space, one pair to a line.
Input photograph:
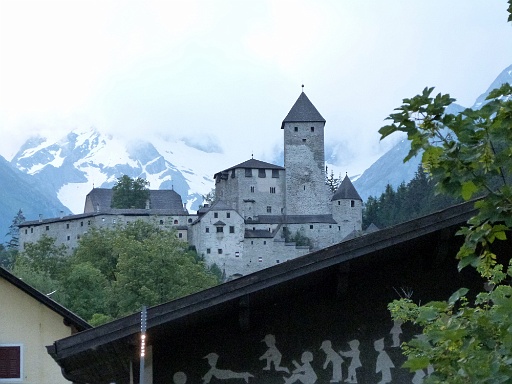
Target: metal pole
[143,317]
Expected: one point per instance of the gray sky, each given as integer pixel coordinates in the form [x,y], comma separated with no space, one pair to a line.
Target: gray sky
[228,72]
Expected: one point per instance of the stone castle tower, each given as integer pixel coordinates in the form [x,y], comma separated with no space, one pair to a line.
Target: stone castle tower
[304,160]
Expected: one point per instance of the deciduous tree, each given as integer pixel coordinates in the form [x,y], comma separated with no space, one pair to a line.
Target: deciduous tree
[130,193]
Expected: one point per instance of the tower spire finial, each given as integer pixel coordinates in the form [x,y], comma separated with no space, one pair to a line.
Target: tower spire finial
[302,87]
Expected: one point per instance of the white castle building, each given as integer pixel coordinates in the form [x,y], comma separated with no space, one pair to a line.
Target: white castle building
[263,213]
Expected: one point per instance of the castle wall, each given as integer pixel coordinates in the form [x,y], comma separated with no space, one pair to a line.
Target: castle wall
[348,214]
[252,195]
[306,192]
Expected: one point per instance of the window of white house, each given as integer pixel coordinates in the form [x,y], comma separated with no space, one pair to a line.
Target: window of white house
[32,230]
[232,173]
[269,209]
[47,227]
[207,230]
[296,129]
[11,362]
[81,223]
[219,251]
[303,140]
[216,215]
[220,229]
[208,250]
[180,235]
[260,259]
[67,226]
[272,189]
[352,203]
[248,172]
[161,222]
[312,129]
[175,222]
[252,189]
[189,220]
[311,226]
[275,173]
[228,215]
[262,173]
[339,202]
[231,229]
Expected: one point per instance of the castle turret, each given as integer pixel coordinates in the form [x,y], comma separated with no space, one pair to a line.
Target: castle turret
[304,160]
[347,207]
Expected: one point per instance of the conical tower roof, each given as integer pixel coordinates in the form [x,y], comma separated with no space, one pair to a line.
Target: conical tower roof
[303,111]
[346,190]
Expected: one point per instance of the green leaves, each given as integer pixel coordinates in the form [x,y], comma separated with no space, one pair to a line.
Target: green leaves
[130,193]
[470,155]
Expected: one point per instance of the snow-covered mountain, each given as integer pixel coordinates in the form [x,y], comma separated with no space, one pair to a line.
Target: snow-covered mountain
[20,191]
[390,168]
[85,158]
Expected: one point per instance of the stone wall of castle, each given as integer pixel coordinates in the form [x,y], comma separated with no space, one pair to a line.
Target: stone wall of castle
[306,193]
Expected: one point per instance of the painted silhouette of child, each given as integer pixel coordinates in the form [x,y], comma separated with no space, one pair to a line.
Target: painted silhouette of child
[303,373]
[355,363]
[272,355]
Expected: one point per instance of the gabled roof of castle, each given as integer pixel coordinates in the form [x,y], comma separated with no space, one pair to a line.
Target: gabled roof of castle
[160,199]
[303,111]
[346,190]
[251,163]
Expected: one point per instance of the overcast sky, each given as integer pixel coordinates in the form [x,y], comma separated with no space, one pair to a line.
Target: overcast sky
[228,72]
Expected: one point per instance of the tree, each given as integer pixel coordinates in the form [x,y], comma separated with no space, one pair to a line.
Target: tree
[129,266]
[210,197]
[130,193]
[470,156]
[14,231]
[332,182]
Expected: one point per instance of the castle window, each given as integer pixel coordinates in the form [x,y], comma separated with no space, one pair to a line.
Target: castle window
[175,221]
[339,228]
[248,172]
[252,242]
[11,362]
[208,251]
[69,238]
[31,230]
[88,222]
[277,261]
[275,173]
[207,230]
[47,227]
[67,226]
[231,229]
[232,173]
[228,215]
[220,229]
[26,231]
[219,251]
[260,259]
[352,203]
[189,220]
[113,222]
[339,202]
[81,223]
[272,189]
[161,222]
[311,226]
[78,237]
[330,226]
[180,235]
[304,187]
[312,129]
[296,129]
[215,215]
[264,242]
[269,209]
[237,254]
[252,189]
[303,140]
[262,173]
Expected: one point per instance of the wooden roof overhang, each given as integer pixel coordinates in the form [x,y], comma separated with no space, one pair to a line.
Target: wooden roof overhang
[102,354]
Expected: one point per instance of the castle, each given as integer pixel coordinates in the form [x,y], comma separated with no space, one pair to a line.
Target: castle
[263,214]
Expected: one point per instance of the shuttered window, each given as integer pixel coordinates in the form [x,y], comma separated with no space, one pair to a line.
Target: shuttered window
[10,362]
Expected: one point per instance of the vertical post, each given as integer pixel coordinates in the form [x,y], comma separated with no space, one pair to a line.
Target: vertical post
[143,317]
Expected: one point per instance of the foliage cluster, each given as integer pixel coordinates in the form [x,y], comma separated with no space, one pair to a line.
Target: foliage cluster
[470,155]
[130,193]
[113,272]
[409,201]
[299,238]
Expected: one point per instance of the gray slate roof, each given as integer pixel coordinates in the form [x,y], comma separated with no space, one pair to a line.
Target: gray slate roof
[303,111]
[291,219]
[165,199]
[251,163]
[346,190]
